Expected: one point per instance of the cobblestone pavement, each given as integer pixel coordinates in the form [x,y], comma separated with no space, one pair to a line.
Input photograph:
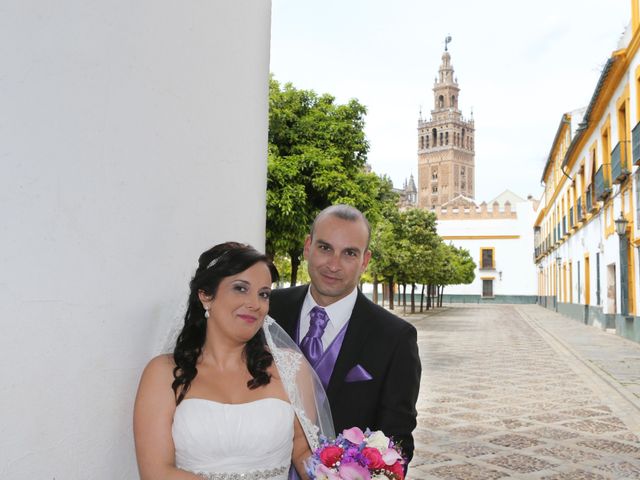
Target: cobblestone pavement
[518,391]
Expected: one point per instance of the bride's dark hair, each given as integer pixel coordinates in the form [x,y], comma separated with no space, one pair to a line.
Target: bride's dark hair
[223,260]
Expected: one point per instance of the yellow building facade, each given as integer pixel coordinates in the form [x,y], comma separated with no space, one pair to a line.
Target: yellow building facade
[586,229]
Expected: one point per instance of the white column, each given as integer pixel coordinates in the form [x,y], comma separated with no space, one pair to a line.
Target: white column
[133,136]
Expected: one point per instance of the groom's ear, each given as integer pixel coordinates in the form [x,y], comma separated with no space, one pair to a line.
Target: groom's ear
[365,260]
[307,246]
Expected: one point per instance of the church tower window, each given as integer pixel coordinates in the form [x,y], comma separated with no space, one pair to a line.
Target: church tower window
[441,101]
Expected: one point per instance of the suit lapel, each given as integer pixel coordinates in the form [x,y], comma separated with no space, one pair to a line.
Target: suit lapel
[290,317]
[354,340]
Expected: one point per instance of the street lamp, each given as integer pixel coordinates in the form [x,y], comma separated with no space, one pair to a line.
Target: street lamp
[541,286]
[621,230]
[621,225]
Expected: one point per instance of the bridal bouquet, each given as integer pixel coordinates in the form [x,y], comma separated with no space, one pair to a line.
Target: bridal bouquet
[357,455]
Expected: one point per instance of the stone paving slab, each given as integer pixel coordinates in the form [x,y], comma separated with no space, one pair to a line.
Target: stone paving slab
[512,391]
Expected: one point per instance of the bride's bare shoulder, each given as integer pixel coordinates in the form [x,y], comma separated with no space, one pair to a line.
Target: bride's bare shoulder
[160,367]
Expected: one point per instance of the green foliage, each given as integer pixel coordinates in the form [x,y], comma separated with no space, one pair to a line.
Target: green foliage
[283,264]
[403,245]
[317,155]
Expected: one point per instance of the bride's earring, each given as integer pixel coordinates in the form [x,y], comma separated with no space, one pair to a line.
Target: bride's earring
[206,312]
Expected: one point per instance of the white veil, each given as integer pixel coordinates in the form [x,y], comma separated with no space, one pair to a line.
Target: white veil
[303,387]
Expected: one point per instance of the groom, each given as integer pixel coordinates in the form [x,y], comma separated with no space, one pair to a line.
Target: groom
[366,357]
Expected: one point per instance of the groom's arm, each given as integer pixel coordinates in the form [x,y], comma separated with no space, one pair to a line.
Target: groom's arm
[397,415]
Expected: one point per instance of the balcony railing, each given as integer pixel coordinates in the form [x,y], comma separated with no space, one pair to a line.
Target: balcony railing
[589,194]
[602,185]
[619,170]
[579,210]
[571,217]
[635,144]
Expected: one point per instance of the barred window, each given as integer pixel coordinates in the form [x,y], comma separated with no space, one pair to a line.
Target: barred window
[486,258]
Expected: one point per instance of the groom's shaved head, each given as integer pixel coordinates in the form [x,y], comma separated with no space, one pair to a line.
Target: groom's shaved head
[344,212]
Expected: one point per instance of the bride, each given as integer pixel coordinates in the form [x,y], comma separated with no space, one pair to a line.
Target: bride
[236,400]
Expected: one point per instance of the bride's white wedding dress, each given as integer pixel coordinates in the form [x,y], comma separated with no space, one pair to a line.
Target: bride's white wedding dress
[248,441]
[253,441]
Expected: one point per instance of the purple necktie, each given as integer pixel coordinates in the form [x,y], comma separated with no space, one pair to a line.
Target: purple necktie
[311,344]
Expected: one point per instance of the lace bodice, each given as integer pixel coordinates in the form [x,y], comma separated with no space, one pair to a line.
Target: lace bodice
[226,440]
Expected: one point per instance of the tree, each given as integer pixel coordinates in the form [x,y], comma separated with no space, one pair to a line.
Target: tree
[454,267]
[317,154]
[421,239]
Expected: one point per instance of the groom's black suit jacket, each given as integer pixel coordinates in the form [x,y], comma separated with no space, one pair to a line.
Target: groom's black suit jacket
[386,347]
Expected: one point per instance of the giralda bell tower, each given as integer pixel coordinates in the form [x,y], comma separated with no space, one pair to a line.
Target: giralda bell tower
[446,156]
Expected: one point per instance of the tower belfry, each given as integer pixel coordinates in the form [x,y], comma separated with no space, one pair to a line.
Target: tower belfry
[446,165]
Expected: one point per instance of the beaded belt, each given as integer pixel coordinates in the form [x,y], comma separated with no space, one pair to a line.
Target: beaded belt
[251,475]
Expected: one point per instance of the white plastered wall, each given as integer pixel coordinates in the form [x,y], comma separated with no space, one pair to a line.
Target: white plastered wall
[133,136]
[515,272]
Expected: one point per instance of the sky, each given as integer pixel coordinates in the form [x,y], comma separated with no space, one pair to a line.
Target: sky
[520,66]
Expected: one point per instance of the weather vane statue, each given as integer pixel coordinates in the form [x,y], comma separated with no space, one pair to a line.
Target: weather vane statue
[447,41]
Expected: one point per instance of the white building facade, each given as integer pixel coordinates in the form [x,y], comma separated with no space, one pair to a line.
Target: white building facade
[498,237]
[586,228]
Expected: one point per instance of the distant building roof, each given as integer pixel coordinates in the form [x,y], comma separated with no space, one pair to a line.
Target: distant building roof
[507,196]
[460,201]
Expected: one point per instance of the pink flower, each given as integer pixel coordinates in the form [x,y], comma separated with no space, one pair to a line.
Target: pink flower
[324,473]
[330,455]
[353,471]
[374,459]
[391,456]
[354,435]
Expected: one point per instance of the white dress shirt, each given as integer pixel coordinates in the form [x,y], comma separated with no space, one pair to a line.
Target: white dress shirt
[339,314]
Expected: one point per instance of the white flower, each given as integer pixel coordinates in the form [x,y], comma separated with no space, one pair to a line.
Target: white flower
[379,441]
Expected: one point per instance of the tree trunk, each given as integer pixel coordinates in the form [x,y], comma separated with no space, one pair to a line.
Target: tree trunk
[391,295]
[413,298]
[404,298]
[422,298]
[441,294]
[295,263]
[384,293]
[374,297]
